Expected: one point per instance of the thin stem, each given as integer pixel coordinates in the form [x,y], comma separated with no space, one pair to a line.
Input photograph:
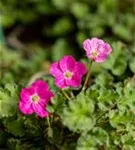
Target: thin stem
[71,93]
[65,94]
[35,77]
[48,121]
[88,76]
[49,130]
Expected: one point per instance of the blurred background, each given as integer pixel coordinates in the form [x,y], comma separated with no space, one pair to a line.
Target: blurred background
[35,32]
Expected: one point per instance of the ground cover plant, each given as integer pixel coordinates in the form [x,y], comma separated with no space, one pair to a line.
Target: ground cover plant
[71,85]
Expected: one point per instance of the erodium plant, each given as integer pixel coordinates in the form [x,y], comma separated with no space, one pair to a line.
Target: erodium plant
[77,107]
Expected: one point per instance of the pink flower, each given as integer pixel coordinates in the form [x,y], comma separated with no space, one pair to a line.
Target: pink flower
[97,49]
[35,98]
[68,72]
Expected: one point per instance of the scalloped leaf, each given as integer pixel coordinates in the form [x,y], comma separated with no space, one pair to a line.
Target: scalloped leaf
[117,61]
[93,140]
[8,100]
[57,104]
[15,127]
[80,113]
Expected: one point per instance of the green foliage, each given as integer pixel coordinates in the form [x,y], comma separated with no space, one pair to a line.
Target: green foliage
[3,138]
[132,60]
[120,119]
[57,104]
[16,127]
[101,115]
[8,100]
[62,27]
[61,48]
[80,114]
[104,79]
[79,10]
[92,140]
[61,4]
[117,62]
[132,65]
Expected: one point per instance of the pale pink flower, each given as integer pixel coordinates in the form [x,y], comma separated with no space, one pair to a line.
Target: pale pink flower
[35,98]
[68,72]
[97,49]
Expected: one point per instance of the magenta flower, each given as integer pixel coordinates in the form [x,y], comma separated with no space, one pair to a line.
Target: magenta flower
[35,98]
[68,72]
[97,49]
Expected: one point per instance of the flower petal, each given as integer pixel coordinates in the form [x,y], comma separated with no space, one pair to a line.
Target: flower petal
[55,69]
[45,96]
[25,108]
[39,110]
[26,93]
[60,82]
[97,46]
[92,44]
[101,58]
[95,42]
[87,45]
[39,85]
[80,69]
[67,63]
[74,82]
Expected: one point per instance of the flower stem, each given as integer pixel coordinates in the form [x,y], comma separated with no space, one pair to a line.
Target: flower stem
[65,94]
[48,121]
[49,130]
[71,93]
[88,75]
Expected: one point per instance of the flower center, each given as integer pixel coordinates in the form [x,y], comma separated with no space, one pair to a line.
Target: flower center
[94,53]
[68,74]
[35,98]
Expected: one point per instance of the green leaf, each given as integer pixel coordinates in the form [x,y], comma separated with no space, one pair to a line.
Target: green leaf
[93,140]
[62,27]
[8,100]
[104,79]
[107,96]
[128,96]
[80,114]
[57,104]
[15,127]
[120,119]
[117,61]
[132,65]
[122,32]
[79,10]
[61,4]
[61,48]
[128,141]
